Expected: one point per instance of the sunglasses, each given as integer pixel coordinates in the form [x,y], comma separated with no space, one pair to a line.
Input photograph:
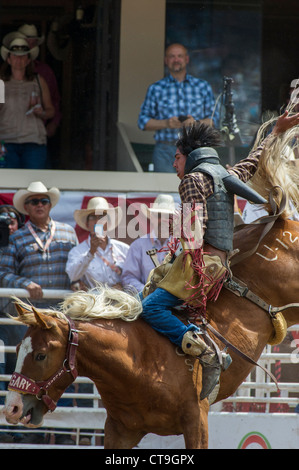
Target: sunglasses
[12,215]
[35,201]
[96,216]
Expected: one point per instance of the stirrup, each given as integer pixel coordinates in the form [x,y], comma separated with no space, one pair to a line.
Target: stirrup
[195,346]
[226,360]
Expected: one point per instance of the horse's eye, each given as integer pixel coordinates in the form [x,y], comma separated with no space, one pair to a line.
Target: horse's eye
[40,357]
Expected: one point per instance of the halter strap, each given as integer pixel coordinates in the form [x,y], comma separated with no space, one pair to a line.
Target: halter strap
[22,384]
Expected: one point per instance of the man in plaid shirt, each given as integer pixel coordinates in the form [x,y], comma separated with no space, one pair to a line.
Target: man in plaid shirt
[36,255]
[186,280]
[176,100]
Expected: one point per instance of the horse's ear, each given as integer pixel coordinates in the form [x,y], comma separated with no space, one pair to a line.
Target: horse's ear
[21,310]
[44,321]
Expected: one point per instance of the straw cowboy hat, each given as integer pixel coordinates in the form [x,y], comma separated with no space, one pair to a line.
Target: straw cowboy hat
[59,40]
[19,46]
[163,204]
[8,38]
[30,31]
[34,188]
[98,205]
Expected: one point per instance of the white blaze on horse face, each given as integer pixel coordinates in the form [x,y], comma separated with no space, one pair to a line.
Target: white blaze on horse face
[25,349]
[14,403]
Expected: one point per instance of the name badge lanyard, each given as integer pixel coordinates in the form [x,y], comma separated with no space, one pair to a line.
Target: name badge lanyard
[44,247]
[112,266]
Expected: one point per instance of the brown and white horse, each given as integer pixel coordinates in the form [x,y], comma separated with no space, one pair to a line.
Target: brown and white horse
[145,385]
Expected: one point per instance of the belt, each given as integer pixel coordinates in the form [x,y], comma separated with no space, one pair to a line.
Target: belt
[166,142]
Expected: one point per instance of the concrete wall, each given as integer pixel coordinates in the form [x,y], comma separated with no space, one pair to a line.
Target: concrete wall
[110,181]
[141,59]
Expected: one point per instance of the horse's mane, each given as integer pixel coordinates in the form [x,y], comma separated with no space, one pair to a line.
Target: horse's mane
[277,167]
[27,316]
[100,302]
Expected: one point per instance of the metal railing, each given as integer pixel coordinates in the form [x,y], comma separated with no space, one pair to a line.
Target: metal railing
[89,421]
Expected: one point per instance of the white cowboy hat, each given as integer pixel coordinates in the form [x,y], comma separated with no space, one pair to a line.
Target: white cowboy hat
[97,205]
[34,188]
[19,46]
[163,204]
[30,31]
[8,38]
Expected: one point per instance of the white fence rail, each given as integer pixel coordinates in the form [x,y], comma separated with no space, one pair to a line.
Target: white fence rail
[88,421]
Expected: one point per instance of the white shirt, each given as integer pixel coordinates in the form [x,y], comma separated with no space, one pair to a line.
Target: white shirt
[91,269]
[138,264]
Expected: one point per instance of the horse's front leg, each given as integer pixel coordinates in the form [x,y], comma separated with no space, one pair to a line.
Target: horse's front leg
[195,425]
[118,436]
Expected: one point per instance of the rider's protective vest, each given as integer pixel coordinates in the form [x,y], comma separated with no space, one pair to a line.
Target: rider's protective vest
[220,207]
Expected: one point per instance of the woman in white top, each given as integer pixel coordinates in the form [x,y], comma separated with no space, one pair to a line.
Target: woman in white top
[99,258]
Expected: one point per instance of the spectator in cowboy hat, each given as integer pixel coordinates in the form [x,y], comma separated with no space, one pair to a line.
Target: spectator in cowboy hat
[138,264]
[99,258]
[30,33]
[27,105]
[36,256]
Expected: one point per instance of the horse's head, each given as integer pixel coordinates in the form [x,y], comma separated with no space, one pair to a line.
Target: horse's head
[44,369]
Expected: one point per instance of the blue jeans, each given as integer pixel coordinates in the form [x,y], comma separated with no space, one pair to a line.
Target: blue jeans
[28,155]
[157,312]
[163,158]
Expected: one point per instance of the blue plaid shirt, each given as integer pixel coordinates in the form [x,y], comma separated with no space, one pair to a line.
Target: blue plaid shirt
[22,261]
[169,97]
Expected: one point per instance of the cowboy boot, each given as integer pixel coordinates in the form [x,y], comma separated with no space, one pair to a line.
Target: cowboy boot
[210,378]
[195,346]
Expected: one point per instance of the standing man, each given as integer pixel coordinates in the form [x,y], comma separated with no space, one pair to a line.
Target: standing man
[36,255]
[176,100]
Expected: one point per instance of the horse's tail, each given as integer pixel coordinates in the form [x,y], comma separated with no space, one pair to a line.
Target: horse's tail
[102,302]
